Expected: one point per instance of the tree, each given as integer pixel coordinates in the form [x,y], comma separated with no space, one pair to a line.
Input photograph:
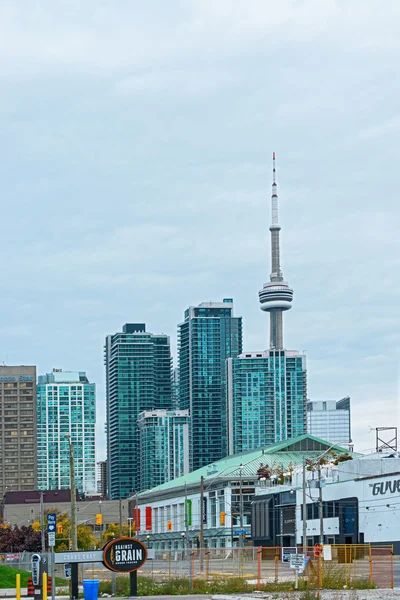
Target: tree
[19,539]
[86,539]
[112,531]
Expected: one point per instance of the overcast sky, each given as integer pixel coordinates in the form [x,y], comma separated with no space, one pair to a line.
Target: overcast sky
[136,141]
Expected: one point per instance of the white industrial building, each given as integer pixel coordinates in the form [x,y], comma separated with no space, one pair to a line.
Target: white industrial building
[360,504]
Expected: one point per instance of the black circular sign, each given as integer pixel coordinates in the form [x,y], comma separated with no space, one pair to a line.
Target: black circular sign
[124,555]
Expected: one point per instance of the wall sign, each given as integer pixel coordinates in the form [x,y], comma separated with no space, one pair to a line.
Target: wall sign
[382,487]
[124,555]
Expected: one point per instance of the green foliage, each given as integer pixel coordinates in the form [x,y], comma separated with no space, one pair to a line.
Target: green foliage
[7,577]
[112,531]
[179,586]
[86,539]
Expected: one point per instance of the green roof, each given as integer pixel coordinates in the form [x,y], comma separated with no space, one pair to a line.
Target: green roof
[281,454]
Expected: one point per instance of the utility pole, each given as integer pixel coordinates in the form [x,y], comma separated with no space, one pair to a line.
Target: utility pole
[304,508]
[241,507]
[321,512]
[201,523]
[120,517]
[74,532]
[42,523]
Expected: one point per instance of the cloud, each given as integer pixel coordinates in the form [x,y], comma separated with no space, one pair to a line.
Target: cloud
[136,169]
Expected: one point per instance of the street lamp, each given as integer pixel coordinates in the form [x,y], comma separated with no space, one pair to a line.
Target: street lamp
[183,534]
[147,538]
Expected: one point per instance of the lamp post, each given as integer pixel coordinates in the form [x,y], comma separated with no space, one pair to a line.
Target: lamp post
[183,534]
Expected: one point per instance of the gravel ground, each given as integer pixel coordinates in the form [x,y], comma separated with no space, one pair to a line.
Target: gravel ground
[324,595]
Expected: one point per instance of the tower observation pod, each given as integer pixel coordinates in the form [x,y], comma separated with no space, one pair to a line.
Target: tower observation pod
[276,296]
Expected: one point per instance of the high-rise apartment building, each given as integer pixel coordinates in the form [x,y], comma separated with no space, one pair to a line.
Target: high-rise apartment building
[266,396]
[66,411]
[208,336]
[138,378]
[267,391]
[18,426]
[102,478]
[164,446]
[330,420]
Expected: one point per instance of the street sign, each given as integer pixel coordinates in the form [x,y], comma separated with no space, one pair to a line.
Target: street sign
[35,566]
[52,538]
[67,571]
[287,551]
[317,550]
[296,561]
[239,532]
[78,557]
[51,522]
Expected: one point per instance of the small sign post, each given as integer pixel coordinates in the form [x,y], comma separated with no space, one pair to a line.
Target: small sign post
[51,534]
[296,562]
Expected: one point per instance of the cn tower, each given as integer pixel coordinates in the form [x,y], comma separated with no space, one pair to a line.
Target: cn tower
[276,295]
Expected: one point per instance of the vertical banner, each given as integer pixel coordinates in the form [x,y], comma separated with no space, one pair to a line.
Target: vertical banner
[204,511]
[189,513]
[148,518]
[136,518]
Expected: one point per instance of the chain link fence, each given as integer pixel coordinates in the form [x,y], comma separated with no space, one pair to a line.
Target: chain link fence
[342,566]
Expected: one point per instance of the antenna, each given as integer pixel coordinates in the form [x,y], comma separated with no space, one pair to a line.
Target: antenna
[274,196]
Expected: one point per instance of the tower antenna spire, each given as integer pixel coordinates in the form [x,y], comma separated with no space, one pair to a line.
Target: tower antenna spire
[276,296]
[274,195]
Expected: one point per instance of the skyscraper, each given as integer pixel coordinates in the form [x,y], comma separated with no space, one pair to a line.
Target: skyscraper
[164,446]
[66,406]
[17,434]
[267,390]
[138,377]
[208,336]
[330,420]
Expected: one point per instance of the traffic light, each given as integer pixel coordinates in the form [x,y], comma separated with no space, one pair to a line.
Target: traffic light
[59,528]
[169,525]
[99,519]
[222,518]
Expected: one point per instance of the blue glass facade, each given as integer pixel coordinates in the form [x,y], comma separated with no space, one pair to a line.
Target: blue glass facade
[164,446]
[267,396]
[208,336]
[66,405]
[138,378]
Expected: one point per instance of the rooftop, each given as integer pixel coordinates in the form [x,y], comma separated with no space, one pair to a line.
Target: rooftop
[289,453]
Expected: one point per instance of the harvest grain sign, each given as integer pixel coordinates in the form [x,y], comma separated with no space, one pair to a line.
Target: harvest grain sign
[124,555]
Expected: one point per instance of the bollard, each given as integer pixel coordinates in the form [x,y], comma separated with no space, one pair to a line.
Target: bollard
[18,586]
[44,586]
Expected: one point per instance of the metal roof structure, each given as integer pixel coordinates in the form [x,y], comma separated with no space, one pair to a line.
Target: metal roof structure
[284,455]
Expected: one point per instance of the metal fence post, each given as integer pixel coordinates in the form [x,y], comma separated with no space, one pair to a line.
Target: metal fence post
[259,552]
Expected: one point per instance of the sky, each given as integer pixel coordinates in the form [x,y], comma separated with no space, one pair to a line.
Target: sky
[136,142]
